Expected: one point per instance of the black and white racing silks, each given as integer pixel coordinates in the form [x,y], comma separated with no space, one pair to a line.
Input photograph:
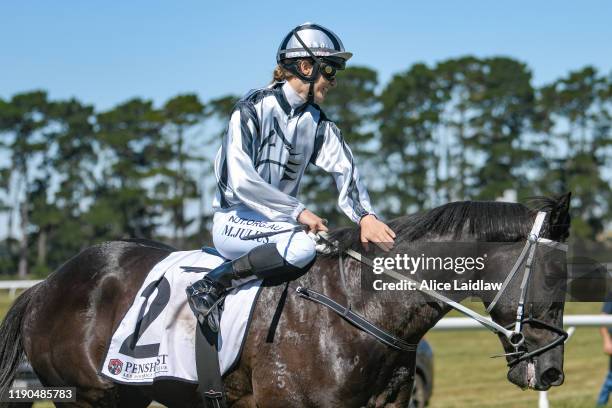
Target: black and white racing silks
[272,137]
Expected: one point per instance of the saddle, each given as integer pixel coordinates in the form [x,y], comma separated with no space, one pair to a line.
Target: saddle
[207,362]
[210,383]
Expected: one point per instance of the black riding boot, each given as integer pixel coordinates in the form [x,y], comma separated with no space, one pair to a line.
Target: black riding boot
[263,261]
[204,295]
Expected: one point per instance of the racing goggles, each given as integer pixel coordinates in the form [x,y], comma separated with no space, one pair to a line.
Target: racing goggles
[329,68]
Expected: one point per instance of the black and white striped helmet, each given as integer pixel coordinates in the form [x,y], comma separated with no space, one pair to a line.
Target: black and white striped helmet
[321,41]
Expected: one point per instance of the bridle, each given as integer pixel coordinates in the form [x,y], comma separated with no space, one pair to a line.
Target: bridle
[533,239]
[512,332]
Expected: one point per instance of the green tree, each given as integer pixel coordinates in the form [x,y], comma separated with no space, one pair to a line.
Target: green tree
[71,170]
[488,108]
[409,117]
[178,185]
[460,82]
[221,108]
[576,111]
[22,124]
[505,111]
[132,151]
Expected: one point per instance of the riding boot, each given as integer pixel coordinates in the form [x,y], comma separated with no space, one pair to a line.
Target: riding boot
[205,295]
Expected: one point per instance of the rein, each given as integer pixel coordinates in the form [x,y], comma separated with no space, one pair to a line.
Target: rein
[514,334]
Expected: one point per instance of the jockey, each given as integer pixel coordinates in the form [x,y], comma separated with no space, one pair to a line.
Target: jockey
[273,134]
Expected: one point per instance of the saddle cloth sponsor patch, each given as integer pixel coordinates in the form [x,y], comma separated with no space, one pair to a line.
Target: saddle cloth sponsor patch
[156,338]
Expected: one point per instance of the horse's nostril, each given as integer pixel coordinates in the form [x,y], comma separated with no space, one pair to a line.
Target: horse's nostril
[552,376]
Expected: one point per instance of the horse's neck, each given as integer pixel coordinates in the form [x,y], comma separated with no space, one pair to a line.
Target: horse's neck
[407,314]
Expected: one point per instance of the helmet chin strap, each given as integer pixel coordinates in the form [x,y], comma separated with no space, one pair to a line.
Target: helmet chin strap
[311,90]
[312,78]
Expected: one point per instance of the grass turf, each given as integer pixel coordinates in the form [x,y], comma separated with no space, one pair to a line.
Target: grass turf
[465,376]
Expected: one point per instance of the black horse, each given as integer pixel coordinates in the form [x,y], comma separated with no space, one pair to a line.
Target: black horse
[314,358]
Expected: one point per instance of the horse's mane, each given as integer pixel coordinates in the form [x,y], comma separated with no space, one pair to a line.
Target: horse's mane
[149,243]
[491,221]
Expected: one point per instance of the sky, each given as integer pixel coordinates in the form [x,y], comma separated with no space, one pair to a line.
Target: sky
[106,52]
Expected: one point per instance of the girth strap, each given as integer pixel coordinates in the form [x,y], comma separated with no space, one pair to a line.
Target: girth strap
[210,384]
[356,320]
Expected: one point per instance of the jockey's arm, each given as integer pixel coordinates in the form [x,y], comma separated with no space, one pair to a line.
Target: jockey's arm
[335,157]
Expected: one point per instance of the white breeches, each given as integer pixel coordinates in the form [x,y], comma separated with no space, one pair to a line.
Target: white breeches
[229,226]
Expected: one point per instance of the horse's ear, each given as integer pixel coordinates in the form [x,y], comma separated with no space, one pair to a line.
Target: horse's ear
[560,217]
[563,203]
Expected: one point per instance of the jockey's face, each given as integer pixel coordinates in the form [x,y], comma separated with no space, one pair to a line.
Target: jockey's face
[321,87]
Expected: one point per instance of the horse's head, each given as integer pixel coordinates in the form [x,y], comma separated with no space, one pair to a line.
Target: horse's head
[538,362]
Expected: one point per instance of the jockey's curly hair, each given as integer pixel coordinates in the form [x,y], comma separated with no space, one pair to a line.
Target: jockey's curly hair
[281,74]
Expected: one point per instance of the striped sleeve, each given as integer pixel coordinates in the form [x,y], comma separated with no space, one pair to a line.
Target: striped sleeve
[333,155]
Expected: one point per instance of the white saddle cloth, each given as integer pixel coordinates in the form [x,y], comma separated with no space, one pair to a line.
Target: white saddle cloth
[163,325]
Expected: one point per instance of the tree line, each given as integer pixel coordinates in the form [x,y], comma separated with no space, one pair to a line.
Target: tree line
[463,129]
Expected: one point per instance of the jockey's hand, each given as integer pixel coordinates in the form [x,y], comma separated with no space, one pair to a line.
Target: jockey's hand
[312,221]
[373,230]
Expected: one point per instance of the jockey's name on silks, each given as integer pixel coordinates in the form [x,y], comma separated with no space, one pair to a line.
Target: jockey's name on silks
[272,137]
[254,223]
